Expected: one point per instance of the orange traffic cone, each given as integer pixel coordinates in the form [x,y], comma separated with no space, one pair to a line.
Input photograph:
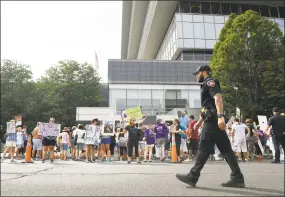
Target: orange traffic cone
[28,157]
[173,150]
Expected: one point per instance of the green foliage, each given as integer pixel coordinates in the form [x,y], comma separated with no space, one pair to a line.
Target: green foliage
[64,87]
[248,60]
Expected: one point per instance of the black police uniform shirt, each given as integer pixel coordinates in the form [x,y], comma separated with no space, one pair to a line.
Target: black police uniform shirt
[278,124]
[210,87]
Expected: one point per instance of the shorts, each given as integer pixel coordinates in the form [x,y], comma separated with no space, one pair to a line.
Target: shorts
[72,143]
[80,146]
[183,146]
[48,142]
[141,145]
[167,145]
[37,144]
[106,141]
[19,145]
[10,144]
[240,145]
[159,142]
[64,146]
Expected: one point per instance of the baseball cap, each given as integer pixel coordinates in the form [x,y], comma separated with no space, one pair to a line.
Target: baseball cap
[202,68]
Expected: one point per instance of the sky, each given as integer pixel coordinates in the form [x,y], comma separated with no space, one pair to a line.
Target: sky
[40,33]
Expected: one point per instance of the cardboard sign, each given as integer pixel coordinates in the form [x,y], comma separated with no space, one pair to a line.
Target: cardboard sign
[262,120]
[11,127]
[47,129]
[261,147]
[108,129]
[230,121]
[18,120]
[134,112]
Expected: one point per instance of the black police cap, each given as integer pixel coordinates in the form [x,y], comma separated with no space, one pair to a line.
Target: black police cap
[202,68]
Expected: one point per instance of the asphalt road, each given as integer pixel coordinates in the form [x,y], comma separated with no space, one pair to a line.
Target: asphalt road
[69,178]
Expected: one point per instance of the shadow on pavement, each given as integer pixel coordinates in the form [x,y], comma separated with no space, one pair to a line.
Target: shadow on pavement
[243,191]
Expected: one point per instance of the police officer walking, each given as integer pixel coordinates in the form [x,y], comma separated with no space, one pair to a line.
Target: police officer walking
[213,132]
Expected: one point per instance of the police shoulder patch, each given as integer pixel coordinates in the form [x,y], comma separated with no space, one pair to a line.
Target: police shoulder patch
[211,83]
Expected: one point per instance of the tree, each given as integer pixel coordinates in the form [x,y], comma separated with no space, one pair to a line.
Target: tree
[17,89]
[248,60]
[66,86]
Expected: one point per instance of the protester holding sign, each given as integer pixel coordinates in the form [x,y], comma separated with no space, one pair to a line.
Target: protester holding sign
[37,142]
[11,140]
[133,140]
[49,140]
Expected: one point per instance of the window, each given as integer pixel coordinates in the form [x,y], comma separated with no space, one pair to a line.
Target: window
[210,31]
[187,17]
[208,19]
[219,19]
[216,8]
[218,28]
[187,55]
[184,6]
[210,45]
[255,8]
[274,12]
[234,8]
[199,43]
[281,12]
[244,7]
[264,10]
[195,7]
[118,99]
[132,98]
[158,101]
[226,8]
[188,30]
[145,99]
[199,30]
[198,18]
[205,8]
[199,56]
[189,43]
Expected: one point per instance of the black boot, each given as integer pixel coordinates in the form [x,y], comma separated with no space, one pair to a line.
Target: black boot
[187,178]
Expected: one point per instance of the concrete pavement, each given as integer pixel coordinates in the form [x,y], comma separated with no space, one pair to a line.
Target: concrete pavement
[70,178]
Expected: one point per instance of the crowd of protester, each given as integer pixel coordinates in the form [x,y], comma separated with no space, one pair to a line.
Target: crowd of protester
[133,140]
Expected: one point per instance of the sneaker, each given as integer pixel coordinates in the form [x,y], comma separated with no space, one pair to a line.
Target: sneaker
[86,161]
[51,161]
[129,162]
[188,160]
[274,161]
[150,161]
[12,160]
[43,161]
[232,183]
[186,178]
[145,161]
[139,162]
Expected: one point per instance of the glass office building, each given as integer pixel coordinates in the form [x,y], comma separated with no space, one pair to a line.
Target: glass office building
[163,42]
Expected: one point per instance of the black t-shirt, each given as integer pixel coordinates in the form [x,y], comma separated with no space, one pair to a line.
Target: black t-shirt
[278,124]
[210,87]
[133,132]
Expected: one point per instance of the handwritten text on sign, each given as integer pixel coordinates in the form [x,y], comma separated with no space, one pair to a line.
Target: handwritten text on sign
[47,129]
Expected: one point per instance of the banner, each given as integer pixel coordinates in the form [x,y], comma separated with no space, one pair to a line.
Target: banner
[262,120]
[18,120]
[134,112]
[11,127]
[47,129]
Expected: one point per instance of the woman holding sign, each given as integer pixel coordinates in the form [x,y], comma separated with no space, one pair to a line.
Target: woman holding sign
[49,141]
[11,140]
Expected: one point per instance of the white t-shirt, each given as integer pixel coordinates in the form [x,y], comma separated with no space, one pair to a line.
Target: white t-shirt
[239,130]
[65,137]
[79,132]
[20,139]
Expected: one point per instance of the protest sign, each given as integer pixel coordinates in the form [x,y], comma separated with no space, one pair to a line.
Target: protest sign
[134,112]
[108,128]
[18,120]
[262,120]
[11,127]
[230,121]
[47,129]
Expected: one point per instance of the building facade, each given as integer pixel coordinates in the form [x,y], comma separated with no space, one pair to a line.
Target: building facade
[163,42]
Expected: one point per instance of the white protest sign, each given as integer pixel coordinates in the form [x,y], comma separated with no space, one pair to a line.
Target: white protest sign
[11,127]
[47,129]
[261,147]
[230,121]
[262,120]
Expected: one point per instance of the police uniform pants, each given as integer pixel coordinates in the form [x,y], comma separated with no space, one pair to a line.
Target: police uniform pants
[211,134]
[277,141]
